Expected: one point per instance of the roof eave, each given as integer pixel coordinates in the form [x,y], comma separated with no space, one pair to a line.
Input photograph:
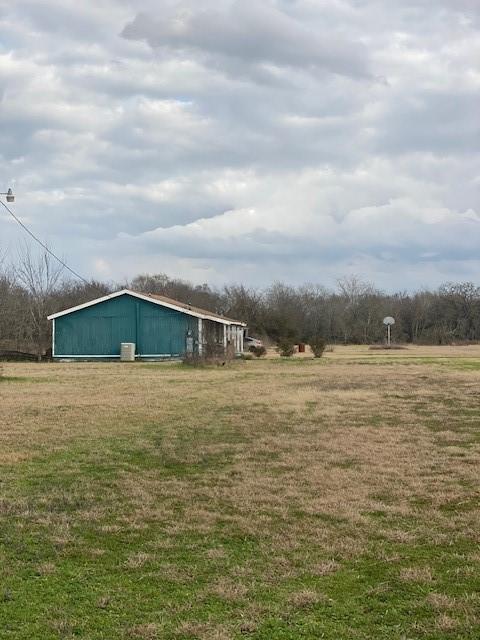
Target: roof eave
[147,299]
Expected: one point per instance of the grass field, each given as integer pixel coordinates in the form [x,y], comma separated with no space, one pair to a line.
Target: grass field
[275,499]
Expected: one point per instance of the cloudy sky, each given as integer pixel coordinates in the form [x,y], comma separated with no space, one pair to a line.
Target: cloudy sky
[246,140]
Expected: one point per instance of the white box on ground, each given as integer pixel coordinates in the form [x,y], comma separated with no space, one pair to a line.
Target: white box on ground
[127,352]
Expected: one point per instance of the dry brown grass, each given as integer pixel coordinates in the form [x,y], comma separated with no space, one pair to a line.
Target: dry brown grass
[137,560]
[446,622]
[312,460]
[228,589]
[416,574]
[305,598]
[325,568]
[149,631]
[441,601]
[345,439]
[202,631]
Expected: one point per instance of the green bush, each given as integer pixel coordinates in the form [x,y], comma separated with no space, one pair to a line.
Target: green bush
[258,352]
[318,345]
[286,347]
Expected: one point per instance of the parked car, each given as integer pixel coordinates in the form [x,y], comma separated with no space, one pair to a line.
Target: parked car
[249,341]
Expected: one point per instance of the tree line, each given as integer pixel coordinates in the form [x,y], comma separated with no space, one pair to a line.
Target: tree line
[35,286]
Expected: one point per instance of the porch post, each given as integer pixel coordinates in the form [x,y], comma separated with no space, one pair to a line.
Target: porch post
[200,336]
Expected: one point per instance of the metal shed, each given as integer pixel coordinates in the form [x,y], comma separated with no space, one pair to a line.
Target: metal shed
[159,327]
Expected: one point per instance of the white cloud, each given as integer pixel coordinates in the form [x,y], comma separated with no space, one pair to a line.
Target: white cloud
[246,141]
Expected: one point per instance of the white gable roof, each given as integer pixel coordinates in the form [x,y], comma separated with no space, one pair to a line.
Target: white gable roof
[204,315]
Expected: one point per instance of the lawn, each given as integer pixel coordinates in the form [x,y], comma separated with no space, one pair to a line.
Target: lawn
[275,499]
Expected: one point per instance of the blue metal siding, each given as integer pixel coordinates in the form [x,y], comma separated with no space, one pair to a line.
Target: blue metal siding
[100,329]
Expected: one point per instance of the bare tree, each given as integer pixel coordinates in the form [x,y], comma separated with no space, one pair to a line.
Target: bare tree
[35,287]
[360,309]
[159,283]
[245,304]
[40,276]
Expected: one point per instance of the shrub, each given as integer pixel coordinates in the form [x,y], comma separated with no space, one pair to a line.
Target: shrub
[318,345]
[286,347]
[213,353]
[258,352]
[194,360]
[200,361]
[384,347]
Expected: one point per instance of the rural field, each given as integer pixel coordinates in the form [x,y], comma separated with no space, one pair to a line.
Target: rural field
[274,499]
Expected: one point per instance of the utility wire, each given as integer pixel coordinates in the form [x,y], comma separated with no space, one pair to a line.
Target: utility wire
[77,275]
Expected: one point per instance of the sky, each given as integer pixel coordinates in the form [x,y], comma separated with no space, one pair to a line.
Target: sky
[228,141]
